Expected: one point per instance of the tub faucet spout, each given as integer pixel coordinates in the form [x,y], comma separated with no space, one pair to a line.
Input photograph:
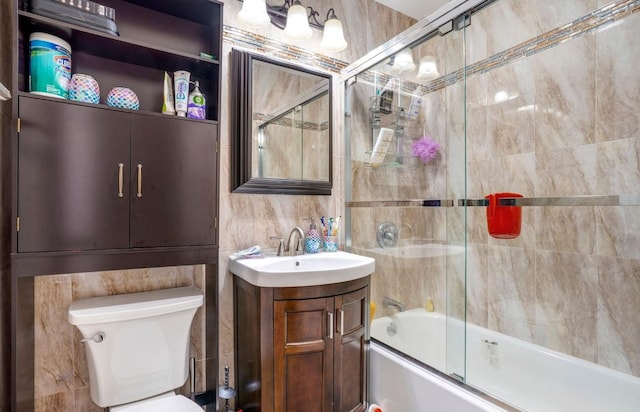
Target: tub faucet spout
[388,302]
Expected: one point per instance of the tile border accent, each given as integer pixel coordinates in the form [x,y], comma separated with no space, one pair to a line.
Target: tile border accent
[583,25]
[262,44]
[605,15]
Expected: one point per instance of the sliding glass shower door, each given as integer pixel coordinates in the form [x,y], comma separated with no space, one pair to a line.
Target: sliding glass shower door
[405,141]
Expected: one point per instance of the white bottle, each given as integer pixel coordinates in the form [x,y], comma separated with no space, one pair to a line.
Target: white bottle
[380,148]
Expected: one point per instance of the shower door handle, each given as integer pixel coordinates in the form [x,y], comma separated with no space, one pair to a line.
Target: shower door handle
[330,324]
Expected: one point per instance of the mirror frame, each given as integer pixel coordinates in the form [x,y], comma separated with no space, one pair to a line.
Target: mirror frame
[241,133]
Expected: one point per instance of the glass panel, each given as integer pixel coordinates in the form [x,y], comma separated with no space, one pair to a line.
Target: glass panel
[552,100]
[405,115]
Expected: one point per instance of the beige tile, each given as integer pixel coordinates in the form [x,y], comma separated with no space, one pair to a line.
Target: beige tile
[567,172]
[617,82]
[565,229]
[566,303]
[618,166]
[53,352]
[511,290]
[59,402]
[225,306]
[618,327]
[618,231]
[565,98]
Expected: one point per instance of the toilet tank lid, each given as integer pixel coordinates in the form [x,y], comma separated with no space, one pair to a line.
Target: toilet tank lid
[129,306]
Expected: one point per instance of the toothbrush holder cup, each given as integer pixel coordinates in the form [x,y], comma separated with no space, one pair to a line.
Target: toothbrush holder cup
[330,243]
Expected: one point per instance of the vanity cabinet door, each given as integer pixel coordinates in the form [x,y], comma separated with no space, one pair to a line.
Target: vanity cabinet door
[349,351]
[173,175]
[69,159]
[303,355]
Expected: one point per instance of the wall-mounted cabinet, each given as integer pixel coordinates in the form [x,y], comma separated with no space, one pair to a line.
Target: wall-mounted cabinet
[110,179]
[99,187]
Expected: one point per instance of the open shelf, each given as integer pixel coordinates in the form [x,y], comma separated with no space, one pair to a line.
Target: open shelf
[154,37]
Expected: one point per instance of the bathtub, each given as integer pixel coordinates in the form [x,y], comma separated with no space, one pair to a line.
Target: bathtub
[518,373]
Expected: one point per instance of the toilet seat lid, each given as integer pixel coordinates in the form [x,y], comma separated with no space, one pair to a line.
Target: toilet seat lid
[176,403]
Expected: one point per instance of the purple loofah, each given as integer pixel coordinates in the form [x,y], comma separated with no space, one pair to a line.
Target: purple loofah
[426,149]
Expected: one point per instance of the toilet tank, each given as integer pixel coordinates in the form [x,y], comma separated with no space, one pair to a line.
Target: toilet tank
[144,348]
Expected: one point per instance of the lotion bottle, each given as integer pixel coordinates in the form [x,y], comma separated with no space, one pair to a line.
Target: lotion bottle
[312,238]
[196,108]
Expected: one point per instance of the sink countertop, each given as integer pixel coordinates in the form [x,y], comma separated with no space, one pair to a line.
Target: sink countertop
[302,270]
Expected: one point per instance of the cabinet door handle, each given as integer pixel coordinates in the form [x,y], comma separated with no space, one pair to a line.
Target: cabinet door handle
[330,324]
[120,177]
[139,194]
[341,314]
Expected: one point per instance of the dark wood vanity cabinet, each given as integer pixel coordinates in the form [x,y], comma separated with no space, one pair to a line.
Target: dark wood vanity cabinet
[91,179]
[302,349]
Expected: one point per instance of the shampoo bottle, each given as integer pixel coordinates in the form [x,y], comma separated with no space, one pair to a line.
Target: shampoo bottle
[312,238]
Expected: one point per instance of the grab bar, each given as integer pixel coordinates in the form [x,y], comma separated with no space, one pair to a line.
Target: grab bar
[606,200]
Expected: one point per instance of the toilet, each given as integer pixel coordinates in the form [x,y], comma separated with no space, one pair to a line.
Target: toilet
[137,348]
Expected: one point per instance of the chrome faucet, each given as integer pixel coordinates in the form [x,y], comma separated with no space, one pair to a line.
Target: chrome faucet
[299,246]
[388,302]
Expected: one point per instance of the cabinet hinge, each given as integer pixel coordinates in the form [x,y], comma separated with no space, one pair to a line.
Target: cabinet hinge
[18,125]
[18,224]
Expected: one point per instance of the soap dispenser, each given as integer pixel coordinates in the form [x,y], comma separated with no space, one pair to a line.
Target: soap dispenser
[312,238]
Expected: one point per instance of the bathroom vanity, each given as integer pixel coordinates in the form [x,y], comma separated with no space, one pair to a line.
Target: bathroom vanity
[301,329]
[301,346]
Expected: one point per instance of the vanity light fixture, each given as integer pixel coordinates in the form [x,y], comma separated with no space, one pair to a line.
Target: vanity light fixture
[297,27]
[293,18]
[403,62]
[428,70]
[333,37]
[254,13]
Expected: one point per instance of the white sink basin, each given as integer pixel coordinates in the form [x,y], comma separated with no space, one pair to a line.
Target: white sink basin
[303,270]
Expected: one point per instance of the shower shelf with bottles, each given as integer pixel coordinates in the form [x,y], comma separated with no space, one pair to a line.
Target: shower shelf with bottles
[404,122]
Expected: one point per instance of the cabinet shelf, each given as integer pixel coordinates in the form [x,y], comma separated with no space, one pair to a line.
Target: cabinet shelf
[105,45]
[55,100]
[154,37]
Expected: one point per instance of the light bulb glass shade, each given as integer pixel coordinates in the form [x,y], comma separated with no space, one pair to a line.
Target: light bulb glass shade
[254,13]
[333,37]
[297,24]
[403,62]
[428,70]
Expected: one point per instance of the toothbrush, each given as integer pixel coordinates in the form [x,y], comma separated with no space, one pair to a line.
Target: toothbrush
[337,225]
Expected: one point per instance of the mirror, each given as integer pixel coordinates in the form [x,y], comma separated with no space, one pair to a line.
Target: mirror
[281,127]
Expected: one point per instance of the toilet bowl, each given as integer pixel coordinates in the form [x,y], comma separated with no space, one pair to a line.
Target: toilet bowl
[137,348]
